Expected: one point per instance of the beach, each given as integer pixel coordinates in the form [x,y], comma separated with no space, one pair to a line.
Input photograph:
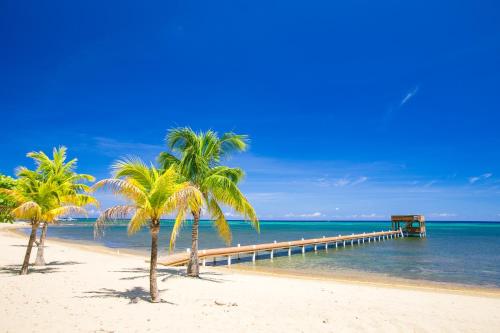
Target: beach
[94,289]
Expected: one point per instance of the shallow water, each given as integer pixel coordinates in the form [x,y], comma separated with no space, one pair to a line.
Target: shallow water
[453,252]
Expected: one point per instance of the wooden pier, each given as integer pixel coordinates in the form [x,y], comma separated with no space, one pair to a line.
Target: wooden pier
[304,245]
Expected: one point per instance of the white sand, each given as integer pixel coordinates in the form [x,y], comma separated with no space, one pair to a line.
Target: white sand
[83,289]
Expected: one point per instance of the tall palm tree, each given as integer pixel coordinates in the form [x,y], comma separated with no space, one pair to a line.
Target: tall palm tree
[37,200]
[62,173]
[151,194]
[197,157]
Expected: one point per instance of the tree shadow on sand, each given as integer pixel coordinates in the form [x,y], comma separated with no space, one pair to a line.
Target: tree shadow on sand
[130,294]
[63,263]
[15,269]
[51,267]
[166,273]
[136,293]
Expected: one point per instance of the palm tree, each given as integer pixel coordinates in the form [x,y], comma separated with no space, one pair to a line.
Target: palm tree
[6,204]
[63,174]
[197,157]
[37,199]
[151,194]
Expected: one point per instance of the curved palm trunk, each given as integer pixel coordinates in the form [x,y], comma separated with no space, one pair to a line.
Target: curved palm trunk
[40,260]
[153,285]
[26,262]
[193,268]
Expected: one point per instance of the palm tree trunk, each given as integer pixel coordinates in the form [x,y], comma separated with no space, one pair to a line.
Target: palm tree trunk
[193,268]
[26,262]
[40,260]
[153,285]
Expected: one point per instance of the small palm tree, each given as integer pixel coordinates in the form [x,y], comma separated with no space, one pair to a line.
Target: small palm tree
[151,194]
[71,186]
[6,204]
[197,158]
[37,200]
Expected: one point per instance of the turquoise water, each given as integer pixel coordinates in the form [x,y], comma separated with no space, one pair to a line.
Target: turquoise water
[453,252]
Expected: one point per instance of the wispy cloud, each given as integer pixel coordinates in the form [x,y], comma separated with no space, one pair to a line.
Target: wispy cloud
[94,212]
[396,107]
[409,95]
[315,214]
[264,197]
[442,215]
[360,180]
[430,183]
[341,182]
[114,148]
[231,214]
[475,179]
[365,216]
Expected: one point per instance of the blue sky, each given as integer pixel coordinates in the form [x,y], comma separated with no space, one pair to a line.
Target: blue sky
[356,109]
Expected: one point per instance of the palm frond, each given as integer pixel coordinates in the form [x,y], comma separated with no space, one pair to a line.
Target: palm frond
[82,177]
[39,157]
[166,160]
[80,200]
[79,187]
[180,138]
[226,192]
[135,168]
[15,195]
[126,188]
[185,197]
[231,142]
[111,214]
[137,221]
[210,146]
[53,214]
[23,172]
[28,210]
[179,221]
[165,185]
[220,222]
[234,174]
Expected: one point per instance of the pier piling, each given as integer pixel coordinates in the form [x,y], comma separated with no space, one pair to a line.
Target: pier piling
[252,250]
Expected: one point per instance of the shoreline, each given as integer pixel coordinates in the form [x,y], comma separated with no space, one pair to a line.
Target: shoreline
[86,288]
[378,281]
[353,277]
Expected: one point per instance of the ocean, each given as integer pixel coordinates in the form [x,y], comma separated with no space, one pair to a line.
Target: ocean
[466,253]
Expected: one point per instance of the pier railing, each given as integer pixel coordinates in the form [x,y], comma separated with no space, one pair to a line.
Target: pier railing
[304,245]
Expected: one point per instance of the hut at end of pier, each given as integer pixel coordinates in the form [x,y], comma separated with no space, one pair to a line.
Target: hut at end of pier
[411,225]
